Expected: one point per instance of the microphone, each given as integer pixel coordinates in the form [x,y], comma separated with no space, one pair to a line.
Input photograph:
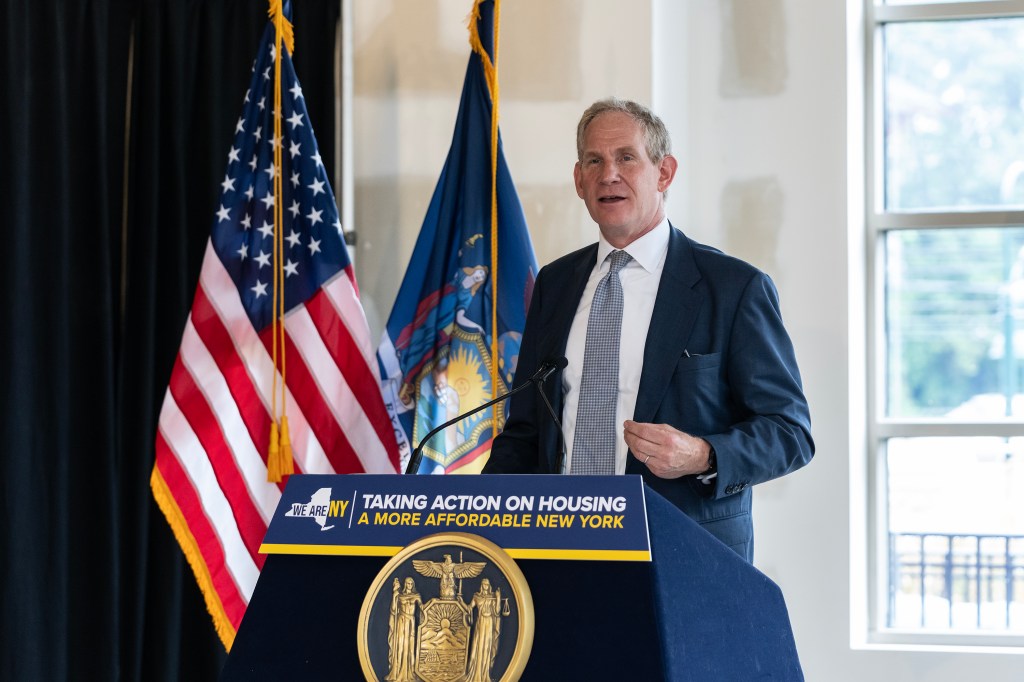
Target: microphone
[546,369]
[560,363]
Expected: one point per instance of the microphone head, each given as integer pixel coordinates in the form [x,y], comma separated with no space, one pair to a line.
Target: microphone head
[549,367]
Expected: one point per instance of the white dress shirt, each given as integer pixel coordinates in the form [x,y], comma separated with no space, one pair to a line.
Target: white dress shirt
[640,279]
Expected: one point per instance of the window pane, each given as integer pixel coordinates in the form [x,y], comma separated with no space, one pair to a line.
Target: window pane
[954,323]
[956,533]
[954,115]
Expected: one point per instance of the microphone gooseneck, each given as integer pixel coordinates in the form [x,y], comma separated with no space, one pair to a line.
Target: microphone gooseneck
[546,369]
[557,364]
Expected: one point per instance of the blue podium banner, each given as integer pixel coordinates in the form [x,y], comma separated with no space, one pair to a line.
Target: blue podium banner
[529,516]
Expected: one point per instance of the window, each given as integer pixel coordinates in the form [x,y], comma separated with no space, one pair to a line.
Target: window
[946,223]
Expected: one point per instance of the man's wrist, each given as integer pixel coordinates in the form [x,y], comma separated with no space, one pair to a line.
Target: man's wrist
[711,471]
[712,460]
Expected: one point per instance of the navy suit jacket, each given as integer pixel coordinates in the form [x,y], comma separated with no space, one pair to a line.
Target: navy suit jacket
[718,364]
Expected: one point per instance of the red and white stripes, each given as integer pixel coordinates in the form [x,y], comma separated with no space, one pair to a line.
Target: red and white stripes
[215,423]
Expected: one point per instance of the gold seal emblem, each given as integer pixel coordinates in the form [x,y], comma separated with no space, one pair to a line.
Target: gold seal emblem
[451,607]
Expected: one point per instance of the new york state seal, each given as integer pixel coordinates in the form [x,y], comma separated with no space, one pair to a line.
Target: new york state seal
[451,607]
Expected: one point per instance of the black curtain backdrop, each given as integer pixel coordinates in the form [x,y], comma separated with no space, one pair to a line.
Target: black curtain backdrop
[104,234]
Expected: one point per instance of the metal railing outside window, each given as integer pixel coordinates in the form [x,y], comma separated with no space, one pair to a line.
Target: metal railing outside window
[941,581]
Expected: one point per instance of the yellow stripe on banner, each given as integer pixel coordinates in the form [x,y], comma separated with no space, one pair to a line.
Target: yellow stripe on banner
[367,550]
[329,550]
[580,554]
[165,500]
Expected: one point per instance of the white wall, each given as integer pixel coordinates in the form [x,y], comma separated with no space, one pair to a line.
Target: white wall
[758,97]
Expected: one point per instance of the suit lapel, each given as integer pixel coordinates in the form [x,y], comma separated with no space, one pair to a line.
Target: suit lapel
[675,310]
[568,294]
[567,291]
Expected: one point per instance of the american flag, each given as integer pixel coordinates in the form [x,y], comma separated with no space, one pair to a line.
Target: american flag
[210,475]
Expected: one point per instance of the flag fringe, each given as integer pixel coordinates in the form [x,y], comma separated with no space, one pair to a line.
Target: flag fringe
[162,494]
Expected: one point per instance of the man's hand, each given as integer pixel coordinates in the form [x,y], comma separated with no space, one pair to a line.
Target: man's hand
[667,451]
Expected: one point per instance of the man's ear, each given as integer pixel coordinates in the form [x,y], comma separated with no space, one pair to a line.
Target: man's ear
[666,172]
[576,178]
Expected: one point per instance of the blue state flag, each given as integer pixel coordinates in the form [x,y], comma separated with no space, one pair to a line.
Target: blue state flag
[438,349]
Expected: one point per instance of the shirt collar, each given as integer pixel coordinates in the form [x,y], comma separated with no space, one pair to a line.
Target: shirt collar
[649,250]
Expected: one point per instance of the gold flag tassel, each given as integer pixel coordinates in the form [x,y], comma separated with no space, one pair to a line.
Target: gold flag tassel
[274,455]
[279,455]
[287,460]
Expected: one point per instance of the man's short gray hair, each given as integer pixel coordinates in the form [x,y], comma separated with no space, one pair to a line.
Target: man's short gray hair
[656,137]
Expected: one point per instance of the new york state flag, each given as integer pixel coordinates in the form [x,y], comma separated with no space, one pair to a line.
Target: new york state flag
[438,355]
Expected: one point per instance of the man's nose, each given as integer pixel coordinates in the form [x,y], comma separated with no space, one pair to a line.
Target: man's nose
[609,173]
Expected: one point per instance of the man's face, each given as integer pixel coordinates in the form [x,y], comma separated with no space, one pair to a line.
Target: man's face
[620,184]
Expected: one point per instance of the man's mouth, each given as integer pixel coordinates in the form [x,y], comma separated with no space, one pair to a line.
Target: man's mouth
[611,199]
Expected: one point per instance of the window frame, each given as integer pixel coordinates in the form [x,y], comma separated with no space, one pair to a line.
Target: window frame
[878,223]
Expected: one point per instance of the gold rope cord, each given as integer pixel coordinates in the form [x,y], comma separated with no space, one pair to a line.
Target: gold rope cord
[279,457]
[491,76]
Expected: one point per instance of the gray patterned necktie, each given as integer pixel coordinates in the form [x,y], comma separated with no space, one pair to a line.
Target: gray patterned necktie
[593,449]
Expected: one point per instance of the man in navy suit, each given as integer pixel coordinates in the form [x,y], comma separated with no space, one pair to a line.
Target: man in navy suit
[709,396]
